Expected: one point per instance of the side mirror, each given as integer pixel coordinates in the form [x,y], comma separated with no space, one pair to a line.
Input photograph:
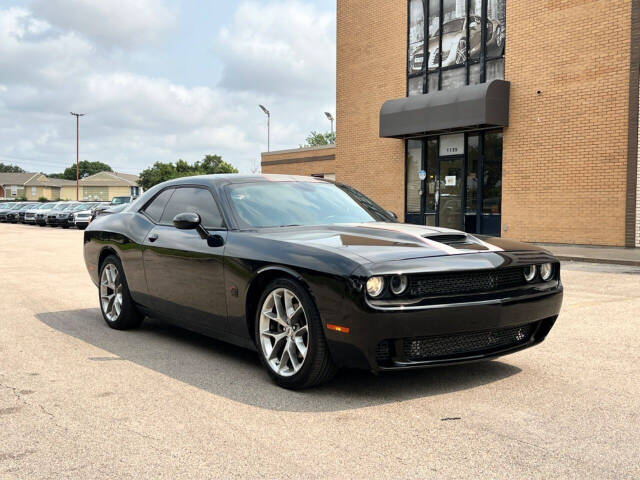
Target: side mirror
[186,221]
[393,214]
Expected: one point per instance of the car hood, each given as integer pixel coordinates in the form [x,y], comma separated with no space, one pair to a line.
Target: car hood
[383,242]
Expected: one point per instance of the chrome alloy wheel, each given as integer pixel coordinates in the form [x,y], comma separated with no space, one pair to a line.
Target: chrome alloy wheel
[284,332]
[111,292]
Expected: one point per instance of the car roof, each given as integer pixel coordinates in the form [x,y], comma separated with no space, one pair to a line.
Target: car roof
[232,178]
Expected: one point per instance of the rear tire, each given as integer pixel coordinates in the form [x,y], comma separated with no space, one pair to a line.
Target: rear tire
[290,337]
[116,304]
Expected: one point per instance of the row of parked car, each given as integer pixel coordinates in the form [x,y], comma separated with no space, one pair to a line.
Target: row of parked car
[64,214]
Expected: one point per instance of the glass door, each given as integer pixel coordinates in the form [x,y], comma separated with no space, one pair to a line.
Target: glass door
[450,192]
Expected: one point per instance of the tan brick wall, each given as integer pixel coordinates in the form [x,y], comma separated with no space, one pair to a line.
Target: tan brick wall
[119,192]
[68,192]
[564,159]
[298,161]
[371,68]
[637,240]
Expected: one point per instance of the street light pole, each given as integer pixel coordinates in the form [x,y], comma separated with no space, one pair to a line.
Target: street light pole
[77,115]
[328,115]
[268,126]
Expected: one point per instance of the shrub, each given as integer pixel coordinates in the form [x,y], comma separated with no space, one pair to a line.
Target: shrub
[43,199]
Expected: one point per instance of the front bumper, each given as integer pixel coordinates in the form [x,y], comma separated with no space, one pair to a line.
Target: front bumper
[535,311]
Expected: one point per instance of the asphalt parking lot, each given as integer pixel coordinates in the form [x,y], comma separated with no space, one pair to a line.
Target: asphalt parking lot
[79,400]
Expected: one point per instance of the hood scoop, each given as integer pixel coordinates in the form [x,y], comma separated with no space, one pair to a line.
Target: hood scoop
[460,241]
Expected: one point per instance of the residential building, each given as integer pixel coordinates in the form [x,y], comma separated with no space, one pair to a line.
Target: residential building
[102,186]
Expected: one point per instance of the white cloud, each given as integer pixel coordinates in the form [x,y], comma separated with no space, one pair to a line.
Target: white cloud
[121,23]
[284,47]
[30,51]
[134,119]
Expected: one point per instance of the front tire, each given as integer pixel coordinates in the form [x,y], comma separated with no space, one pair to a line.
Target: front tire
[116,304]
[289,336]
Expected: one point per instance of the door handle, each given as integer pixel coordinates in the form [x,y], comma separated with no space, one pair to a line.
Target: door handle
[153,237]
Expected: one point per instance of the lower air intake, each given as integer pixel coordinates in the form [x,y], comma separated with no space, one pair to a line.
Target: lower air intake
[459,345]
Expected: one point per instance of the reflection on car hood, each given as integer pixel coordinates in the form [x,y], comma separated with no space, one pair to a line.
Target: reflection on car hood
[379,241]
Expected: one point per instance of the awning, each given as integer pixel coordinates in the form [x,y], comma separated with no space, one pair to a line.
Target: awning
[474,106]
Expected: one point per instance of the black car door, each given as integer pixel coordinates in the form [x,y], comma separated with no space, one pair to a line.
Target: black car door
[185,275]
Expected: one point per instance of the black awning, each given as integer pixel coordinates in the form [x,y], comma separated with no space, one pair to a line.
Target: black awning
[473,106]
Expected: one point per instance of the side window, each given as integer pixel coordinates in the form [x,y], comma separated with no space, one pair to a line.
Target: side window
[198,200]
[155,209]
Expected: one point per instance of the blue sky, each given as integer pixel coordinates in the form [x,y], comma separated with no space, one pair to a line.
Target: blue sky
[161,79]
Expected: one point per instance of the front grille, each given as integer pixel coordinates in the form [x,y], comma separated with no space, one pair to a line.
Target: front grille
[464,344]
[465,282]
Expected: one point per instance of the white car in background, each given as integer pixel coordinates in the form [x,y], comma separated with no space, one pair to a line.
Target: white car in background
[30,214]
[82,218]
[41,215]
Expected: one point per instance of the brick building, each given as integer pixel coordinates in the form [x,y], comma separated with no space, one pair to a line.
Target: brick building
[511,118]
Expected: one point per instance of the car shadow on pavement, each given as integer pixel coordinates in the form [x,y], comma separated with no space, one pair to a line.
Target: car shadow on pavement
[236,373]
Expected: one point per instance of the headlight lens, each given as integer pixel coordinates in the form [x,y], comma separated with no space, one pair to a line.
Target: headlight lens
[375,285]
[398,284]
[546,271]
[530,273]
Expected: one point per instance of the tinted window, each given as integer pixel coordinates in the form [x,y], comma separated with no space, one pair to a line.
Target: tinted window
[198,200]
[275,204]
[155,209]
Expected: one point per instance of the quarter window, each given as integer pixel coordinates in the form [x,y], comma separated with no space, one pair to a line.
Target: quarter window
[196,200]
[156,208]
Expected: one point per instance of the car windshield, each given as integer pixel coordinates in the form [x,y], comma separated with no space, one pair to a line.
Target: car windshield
[120,200]
[453,26]
[280,204]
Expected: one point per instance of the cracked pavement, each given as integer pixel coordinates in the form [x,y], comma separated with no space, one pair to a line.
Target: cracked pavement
[78,400]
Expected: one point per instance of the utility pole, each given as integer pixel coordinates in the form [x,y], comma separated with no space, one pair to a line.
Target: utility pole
[77,115]
[330,118]
[268,127]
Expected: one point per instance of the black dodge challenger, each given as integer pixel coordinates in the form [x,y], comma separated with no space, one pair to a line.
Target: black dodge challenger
[315,276]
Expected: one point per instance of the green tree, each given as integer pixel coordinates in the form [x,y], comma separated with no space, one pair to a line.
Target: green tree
[85,169]
[212,164]
[10,168]
[161,172]
[317,139]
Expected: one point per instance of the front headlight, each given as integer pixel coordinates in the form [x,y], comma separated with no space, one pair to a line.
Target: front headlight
[375,285]
[530,273]
[546,271]
[398,284]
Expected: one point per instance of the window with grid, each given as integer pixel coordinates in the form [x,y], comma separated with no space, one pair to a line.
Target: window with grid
[465,43]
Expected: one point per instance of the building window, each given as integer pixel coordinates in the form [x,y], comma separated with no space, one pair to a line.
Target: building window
[34,191]
[461,49]
[100,194]
[14,190]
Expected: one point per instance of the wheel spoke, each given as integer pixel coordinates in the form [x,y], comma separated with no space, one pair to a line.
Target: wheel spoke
[288,305]
[277,346]
[302,348]
[301,331]
[109,308]
[293,355]
[283,359]
[282,315]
